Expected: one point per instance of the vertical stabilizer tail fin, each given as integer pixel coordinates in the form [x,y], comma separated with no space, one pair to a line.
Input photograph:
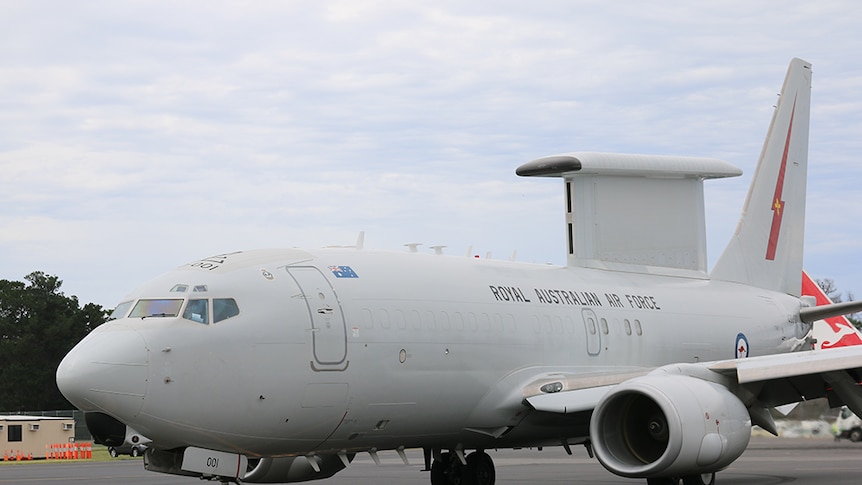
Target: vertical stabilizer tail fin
[766,249]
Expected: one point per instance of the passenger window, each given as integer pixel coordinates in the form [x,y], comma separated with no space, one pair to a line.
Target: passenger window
[430,321]
[459,321]
[383,318]
[591,325]
[197,311]
[444,320]
[156,308]
[224,308]
[400,321]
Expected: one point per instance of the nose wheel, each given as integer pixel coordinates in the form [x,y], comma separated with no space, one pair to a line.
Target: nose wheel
[448,470]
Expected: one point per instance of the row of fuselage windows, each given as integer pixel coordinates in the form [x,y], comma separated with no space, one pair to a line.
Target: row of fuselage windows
[199,310]
[548,324]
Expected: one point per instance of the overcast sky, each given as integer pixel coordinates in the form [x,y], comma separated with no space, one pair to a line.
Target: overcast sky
[139,136]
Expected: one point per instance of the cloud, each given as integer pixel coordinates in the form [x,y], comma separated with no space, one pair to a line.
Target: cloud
[168,131]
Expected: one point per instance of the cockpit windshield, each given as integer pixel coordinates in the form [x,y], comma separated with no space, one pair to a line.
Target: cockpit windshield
[156,308]
[199,310]
[120,311]
[224,308]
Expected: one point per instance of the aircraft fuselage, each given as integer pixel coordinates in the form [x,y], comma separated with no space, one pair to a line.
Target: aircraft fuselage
[342,349]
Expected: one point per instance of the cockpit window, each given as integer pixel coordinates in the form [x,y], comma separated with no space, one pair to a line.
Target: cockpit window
[224,308]
[156,308]
[120,311]
[197,311]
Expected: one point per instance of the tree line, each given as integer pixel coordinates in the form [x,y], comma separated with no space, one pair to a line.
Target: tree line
[38,326]
[831,289]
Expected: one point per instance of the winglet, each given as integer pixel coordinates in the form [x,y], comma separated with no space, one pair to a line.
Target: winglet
[766,250]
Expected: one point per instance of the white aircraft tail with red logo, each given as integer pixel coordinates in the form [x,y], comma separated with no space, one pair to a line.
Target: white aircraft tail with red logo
[766,249]
[830,332]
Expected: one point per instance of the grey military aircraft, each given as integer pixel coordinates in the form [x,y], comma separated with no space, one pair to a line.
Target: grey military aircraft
[280,365]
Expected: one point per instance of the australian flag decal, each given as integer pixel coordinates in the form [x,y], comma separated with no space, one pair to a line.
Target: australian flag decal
[343,272]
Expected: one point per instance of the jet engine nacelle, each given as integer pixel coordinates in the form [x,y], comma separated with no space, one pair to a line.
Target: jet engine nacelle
[669,425]
[295,469]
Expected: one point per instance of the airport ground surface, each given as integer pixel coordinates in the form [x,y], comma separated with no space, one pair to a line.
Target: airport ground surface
[801,461]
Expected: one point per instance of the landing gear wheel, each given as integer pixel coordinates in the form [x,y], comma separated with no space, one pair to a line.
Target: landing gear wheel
[438,470]
[662,481]
[702,479]
[479,470]
[446,470]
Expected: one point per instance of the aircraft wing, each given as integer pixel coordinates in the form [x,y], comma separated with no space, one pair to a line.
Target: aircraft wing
[760,382]
[798,376]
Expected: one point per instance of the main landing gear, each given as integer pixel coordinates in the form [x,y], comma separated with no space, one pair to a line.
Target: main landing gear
[448,470]
[703,479]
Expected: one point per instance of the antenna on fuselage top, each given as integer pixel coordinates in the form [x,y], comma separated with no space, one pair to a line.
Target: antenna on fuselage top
[360,242]
[438,250]
[413,247]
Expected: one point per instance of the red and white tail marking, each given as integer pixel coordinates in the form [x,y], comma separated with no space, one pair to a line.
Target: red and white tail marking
[831,332]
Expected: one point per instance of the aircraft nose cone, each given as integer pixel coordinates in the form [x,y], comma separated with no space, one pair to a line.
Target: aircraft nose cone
[107,371]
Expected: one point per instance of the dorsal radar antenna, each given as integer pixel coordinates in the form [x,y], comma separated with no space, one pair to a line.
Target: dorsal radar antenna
[413,247]
[438,250]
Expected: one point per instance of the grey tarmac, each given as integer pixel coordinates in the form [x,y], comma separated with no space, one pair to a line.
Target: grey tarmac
[768,461]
